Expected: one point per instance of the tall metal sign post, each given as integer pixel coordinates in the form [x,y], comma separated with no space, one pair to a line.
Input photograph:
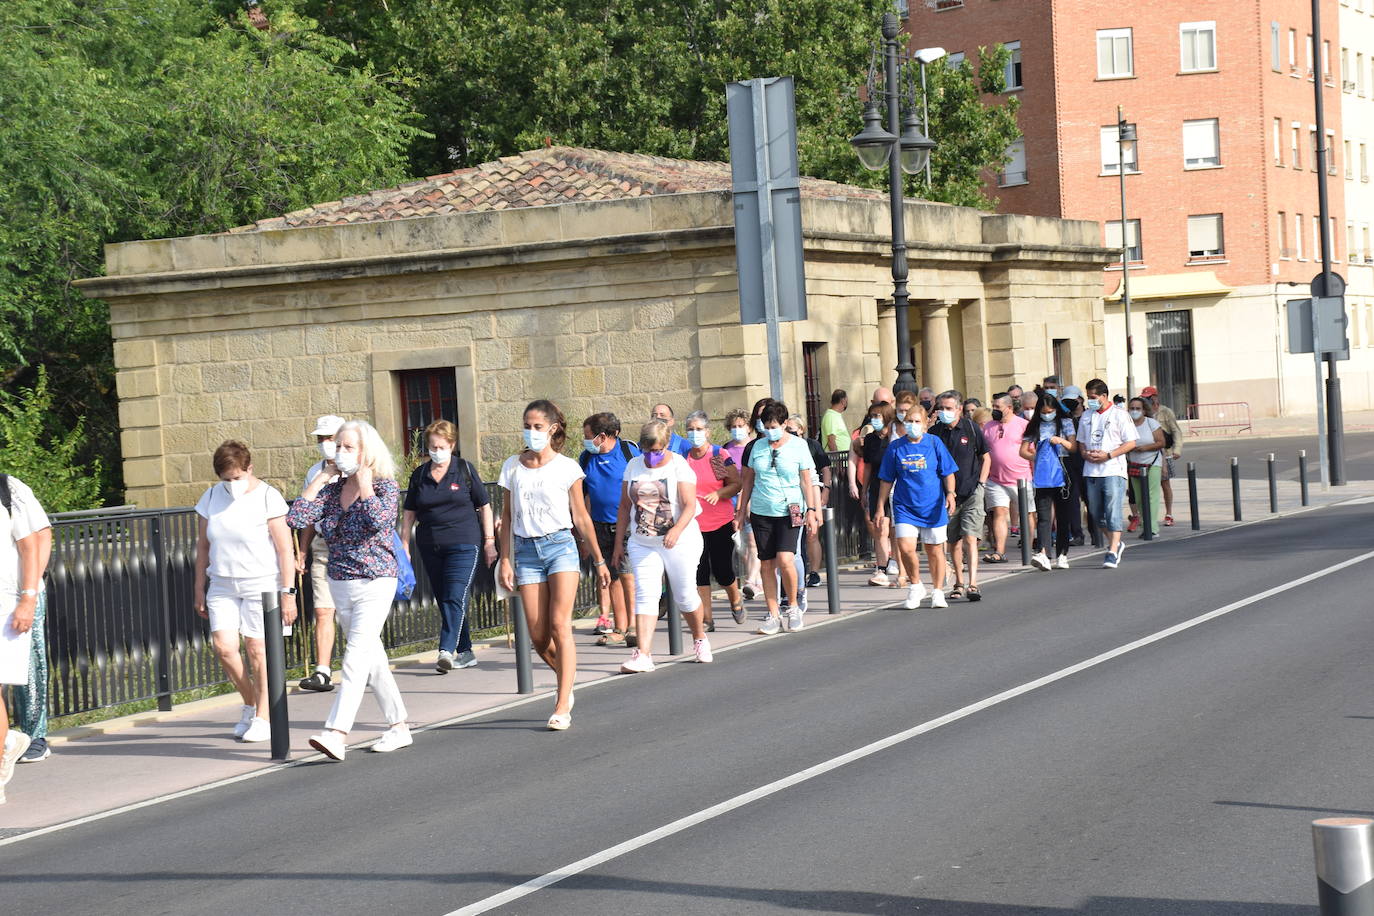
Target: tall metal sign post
[1318,326]
[766,181]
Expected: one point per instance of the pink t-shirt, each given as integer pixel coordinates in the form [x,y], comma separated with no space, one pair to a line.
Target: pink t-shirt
[711,517]
[1004,444]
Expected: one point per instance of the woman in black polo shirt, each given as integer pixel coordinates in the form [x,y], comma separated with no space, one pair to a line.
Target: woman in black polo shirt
[446,497]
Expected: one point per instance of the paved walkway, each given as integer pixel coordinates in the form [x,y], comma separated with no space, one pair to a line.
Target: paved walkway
[1301,425]
[96,769]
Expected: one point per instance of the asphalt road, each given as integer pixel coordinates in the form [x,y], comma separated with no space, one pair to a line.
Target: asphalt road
[1213,458]
[1174,778]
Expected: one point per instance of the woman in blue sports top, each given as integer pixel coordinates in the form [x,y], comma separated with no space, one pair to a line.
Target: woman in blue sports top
[1047,443]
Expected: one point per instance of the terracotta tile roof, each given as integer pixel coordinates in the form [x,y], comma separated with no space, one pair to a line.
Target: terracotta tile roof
[538,178]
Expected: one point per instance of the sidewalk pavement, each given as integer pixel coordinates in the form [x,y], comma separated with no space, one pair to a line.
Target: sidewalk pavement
[96,770]
[1278,427]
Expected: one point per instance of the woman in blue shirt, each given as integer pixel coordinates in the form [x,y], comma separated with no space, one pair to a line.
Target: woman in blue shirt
[1047,443]
[778,500]
[918,471]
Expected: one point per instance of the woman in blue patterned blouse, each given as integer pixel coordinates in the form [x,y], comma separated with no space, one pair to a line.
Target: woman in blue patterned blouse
[357,515]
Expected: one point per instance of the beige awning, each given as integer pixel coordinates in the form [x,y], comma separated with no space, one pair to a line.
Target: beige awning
[1172,286]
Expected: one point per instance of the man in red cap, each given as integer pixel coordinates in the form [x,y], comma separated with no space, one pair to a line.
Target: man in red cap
[1173,438]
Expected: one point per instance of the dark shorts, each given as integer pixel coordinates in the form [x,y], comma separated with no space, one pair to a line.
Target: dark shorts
[871,496]
[605,539]
[717,557]
[774,535]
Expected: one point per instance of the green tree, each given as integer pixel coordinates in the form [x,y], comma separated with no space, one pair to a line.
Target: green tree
[168,117]
[48,463]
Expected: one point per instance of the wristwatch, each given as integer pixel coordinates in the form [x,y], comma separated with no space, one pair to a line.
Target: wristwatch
[288,590]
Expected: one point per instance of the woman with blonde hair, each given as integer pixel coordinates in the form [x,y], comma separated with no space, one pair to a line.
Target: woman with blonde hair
[539,556]
[357,515]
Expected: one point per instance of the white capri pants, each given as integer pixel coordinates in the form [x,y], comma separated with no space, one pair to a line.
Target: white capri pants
[649,562]
[235,603]
[362,607]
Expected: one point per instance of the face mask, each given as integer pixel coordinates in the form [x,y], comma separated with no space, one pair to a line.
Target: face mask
[758,424]
[589,445]
[1052,392]
[1047,417]
[774,433]
[1137,414]
[536,440]
[901,415]
[697,437]
[740,433]
[914,432]
[237,488]
[652,458]
[328,448]
[997,414]
[347,463]
[927,404]
[876,423]
[440,455]
[948,417]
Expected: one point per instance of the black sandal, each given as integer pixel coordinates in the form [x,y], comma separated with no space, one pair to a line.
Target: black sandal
[974,594]
[957,591]
[995,558]
[318,682]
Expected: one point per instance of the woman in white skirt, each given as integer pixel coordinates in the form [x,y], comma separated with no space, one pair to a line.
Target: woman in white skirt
[357,516]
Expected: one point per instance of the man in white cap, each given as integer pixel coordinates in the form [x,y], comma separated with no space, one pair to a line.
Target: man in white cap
[321,678]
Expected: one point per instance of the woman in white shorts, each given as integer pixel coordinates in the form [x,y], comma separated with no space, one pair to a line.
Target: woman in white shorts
[659,510]
[243,549]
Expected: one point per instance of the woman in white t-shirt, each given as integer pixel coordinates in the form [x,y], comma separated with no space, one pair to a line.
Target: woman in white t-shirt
[659,508]
[1145,462]
[539,555]
[244,549]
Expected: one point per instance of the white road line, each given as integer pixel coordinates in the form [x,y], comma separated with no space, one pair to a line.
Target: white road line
[581,865]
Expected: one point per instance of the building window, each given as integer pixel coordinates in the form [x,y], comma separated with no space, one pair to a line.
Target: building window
[1295,147]
[1201,144]
[1114,55]
[1331,225]
[1110,157]
[1199,46]
[1359,74]
[1349,161]
[1351,248]
[1326,62]
[1308,58]
[1134,251]
[1330,152]
[1364,243]
[1297,237]
[1278,142]
[1316,238]
[1013,71]
[1347,84]
[426,395]
[1275,56]
[1014,172]
[1284,251]
[1205,237]
[1293,52]
[955,59]
[1364,163]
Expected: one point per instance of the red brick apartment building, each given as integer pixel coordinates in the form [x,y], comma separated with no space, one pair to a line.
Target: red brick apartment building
[1221,185]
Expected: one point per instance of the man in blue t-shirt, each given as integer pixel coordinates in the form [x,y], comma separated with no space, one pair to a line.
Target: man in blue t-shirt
[676,443]
[918,471]
[603,459]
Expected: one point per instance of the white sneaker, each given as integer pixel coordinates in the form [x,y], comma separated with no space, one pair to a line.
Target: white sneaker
[937,599]
[639,663]
[892,569]
[258,730]
[329,743]
[393,739]
[1062,562]
[771,626]
[796,618]
[246,715]
[914,595]
[1041,562]
[702,648]
[879,578]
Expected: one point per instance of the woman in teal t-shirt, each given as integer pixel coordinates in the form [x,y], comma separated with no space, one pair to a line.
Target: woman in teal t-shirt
[778,500]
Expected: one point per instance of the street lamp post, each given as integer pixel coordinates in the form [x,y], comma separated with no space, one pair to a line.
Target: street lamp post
[902,148]
[1125,133]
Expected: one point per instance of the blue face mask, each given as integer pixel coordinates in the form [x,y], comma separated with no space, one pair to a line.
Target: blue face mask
[589,445]
[876,423]
[1052,392]
[1047,417]
[915,431]
[948,417]
[697,437]
[758,424]
[536,440]
[774,433]
[739,433]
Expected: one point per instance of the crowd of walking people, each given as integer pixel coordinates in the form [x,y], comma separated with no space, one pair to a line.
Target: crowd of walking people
[656,517]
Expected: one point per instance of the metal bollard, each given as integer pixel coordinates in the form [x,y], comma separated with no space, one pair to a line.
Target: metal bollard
[1344,850]
[275,645]
[1273,486]
[1235,486]
[1023,506]
[1147,510]
[674,626]
[1192,496]
[524,665]
[832,571]
[1302,474]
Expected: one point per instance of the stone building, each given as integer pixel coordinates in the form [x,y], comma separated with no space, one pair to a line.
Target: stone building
[605,281]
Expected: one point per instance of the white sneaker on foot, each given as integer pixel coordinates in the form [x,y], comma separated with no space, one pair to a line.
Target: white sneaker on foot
[639,663]
[16,743]
[1041,562]
[879,578]
[1062,561]
[796,618]
[937,599]
[914,596]
[258,730]
[771,626]
[330,743]
[393,739]
[892,569]
[246,715]
[702,648]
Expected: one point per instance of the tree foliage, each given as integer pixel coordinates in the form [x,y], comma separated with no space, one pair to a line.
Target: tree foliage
[47,462]
[124,121]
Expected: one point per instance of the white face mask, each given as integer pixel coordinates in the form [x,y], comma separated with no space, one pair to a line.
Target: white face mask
[238,487]
[915,431]
[440,455]
[347,462]
[1137,414]
[536,440]
[739,433]
[697,437]
[328,448]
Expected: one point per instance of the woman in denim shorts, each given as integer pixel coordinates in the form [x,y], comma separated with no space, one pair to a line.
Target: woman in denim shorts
[544,503]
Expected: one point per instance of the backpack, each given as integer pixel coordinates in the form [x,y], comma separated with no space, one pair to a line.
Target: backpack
[584,459]
[6,499]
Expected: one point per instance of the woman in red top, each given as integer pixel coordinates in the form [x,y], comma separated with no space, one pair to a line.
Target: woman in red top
[717,481]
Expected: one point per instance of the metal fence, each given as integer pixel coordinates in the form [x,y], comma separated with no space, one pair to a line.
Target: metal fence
[121,627]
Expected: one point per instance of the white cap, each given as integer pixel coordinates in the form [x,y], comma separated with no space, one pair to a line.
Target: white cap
[327,425]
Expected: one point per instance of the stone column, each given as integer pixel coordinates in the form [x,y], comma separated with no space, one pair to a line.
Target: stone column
[937,366]
[887,345]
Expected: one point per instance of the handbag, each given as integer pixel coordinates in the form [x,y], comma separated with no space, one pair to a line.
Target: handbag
[405,573]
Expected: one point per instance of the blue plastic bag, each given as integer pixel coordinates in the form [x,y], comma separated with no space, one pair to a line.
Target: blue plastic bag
[405,573]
